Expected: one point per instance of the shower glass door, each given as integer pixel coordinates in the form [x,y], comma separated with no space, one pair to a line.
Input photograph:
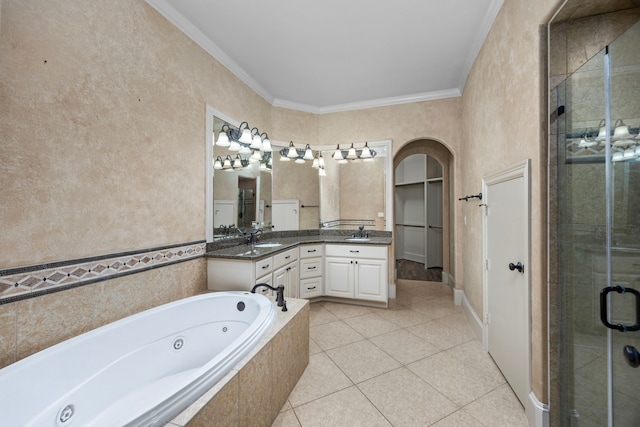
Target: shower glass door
[599,235]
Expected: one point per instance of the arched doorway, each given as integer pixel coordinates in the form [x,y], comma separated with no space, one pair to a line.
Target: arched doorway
[423,218]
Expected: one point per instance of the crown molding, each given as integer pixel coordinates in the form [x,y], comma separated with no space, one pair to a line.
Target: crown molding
[487,23]
[177,19]
[373,103]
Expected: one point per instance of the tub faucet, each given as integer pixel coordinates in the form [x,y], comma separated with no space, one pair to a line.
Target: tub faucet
[280,302]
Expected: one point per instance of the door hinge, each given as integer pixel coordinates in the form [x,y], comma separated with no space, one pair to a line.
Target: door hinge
[487,318]
[486,264]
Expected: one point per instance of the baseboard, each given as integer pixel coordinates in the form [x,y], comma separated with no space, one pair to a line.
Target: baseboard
[458,295]
[474,321]
[537,412]
[445,278]
[392,290]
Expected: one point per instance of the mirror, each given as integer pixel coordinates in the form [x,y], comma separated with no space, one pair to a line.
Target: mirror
[241,185]
[296,194]
[357,192]
[349,195]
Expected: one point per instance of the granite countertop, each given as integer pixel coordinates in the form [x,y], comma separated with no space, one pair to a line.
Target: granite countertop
[237,249]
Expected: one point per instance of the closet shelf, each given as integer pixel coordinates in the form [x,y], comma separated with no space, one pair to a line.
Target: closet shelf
[404,184]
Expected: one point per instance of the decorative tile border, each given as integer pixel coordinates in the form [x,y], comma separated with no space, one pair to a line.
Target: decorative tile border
[27,282]
[355,223]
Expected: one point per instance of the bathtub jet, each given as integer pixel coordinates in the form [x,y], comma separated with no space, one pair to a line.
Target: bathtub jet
[142,370]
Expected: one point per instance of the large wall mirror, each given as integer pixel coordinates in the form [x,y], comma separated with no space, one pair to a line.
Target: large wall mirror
[279,194]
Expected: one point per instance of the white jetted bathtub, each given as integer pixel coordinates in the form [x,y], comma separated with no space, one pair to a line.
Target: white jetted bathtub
[142,370]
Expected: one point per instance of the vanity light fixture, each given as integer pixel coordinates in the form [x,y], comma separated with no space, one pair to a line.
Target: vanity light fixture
[322,172]
[243,139]
[343,156]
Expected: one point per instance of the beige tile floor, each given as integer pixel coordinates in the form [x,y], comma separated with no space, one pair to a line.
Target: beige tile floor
[416,363]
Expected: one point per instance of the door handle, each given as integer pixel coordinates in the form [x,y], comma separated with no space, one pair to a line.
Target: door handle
[604,315]
[631,355]
[519,266]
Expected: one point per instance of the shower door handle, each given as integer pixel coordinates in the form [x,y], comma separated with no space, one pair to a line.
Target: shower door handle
[604,309]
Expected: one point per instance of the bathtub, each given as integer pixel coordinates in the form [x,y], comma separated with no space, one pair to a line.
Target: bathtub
[139,371]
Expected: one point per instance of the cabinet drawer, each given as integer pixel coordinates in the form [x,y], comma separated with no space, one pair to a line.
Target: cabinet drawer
[310,267]
[264,266]
[356,251]
[310,288]
[310,251]
[285,257]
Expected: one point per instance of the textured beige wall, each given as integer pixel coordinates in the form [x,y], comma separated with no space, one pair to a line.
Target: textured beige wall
[103,127]
[501,126]
[102,146]
[362,191]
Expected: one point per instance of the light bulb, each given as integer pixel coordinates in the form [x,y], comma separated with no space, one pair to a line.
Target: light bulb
[223,139]
[352,153]
[292,153]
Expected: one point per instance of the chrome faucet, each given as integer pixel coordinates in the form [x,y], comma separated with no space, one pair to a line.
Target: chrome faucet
[280,302]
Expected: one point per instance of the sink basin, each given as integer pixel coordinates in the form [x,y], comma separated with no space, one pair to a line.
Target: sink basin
[267,245]
[357,239]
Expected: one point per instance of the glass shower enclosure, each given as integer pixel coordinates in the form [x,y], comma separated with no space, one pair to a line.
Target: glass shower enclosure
[598,196]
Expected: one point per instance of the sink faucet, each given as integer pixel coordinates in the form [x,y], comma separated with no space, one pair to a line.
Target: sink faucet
[280,302]
[361,233]
[253,238]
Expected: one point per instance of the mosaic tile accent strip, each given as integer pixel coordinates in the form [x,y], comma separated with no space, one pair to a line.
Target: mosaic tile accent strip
[36,280]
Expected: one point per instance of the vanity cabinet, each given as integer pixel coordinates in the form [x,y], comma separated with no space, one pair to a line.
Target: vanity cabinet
[225,274]
[356,272]
[311,271]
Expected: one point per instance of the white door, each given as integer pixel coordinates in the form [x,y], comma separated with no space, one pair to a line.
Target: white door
[506,285]
[285,215]
[224,213]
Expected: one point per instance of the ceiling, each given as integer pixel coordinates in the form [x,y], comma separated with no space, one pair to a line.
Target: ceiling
[336,55]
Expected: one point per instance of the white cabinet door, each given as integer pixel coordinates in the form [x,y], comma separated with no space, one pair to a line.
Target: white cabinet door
[339,277]
[293,280]
[370,279]
[287,276]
